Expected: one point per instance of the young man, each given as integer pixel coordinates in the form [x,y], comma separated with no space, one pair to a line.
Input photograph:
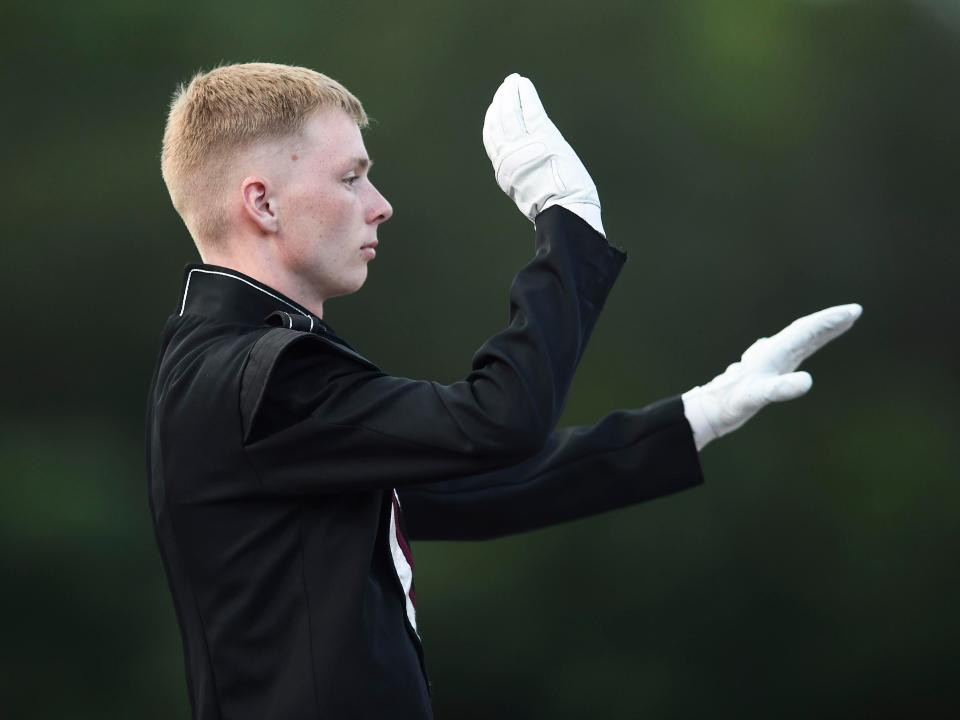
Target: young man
[288,472]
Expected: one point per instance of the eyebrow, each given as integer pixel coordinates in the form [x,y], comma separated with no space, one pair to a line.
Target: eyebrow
[362,163]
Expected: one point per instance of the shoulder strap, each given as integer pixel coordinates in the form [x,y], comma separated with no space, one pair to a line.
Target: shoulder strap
[262,360]
[315,326]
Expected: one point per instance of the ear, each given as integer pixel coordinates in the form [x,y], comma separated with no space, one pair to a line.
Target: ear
[258,205]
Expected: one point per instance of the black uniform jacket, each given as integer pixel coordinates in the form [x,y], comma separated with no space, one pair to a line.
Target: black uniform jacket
[287,473]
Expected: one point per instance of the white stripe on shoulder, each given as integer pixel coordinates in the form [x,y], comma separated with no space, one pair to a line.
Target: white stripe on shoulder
[186,290]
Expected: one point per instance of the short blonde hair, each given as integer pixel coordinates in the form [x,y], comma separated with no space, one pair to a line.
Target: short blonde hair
[223,110]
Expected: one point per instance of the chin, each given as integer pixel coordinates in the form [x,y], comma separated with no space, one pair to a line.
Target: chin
[349,289]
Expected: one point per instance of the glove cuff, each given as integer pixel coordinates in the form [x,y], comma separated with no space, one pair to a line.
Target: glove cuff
[703,431]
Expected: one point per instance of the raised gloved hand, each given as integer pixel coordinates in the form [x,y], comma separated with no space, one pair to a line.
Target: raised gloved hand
[532,162]
[764,374]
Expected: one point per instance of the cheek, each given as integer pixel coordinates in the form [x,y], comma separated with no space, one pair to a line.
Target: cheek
[338,212]
[324,227]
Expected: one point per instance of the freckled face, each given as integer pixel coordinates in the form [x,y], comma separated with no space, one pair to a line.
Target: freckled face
[329,210]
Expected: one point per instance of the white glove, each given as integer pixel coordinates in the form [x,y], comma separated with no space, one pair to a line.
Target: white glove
[764,374]
[532,162]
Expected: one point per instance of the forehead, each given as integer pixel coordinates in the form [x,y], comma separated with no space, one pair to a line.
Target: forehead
[332,136]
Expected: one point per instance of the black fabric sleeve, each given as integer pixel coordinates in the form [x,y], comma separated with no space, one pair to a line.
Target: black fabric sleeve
[324,421]
[628,457]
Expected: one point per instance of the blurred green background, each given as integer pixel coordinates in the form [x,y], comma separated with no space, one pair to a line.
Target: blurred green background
[758,160]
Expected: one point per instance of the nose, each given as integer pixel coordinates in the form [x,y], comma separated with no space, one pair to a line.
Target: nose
[380,209]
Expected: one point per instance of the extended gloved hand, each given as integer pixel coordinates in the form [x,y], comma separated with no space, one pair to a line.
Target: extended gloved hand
[532,162]
[764,374]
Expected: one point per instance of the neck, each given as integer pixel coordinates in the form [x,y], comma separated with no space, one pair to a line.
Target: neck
[273,274]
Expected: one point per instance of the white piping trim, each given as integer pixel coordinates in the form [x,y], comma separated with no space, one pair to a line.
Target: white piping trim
[310,317]
[186,289]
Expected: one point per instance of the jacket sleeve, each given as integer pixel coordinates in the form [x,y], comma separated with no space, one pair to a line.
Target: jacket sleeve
[628,457]
[323,420]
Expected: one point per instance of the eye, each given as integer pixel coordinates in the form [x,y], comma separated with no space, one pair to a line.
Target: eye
[351,180]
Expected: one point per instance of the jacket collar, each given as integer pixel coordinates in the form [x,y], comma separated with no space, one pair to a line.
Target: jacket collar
[230,296]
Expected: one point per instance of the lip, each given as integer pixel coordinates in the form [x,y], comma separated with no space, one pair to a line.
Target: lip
[369,250]
[370,244]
